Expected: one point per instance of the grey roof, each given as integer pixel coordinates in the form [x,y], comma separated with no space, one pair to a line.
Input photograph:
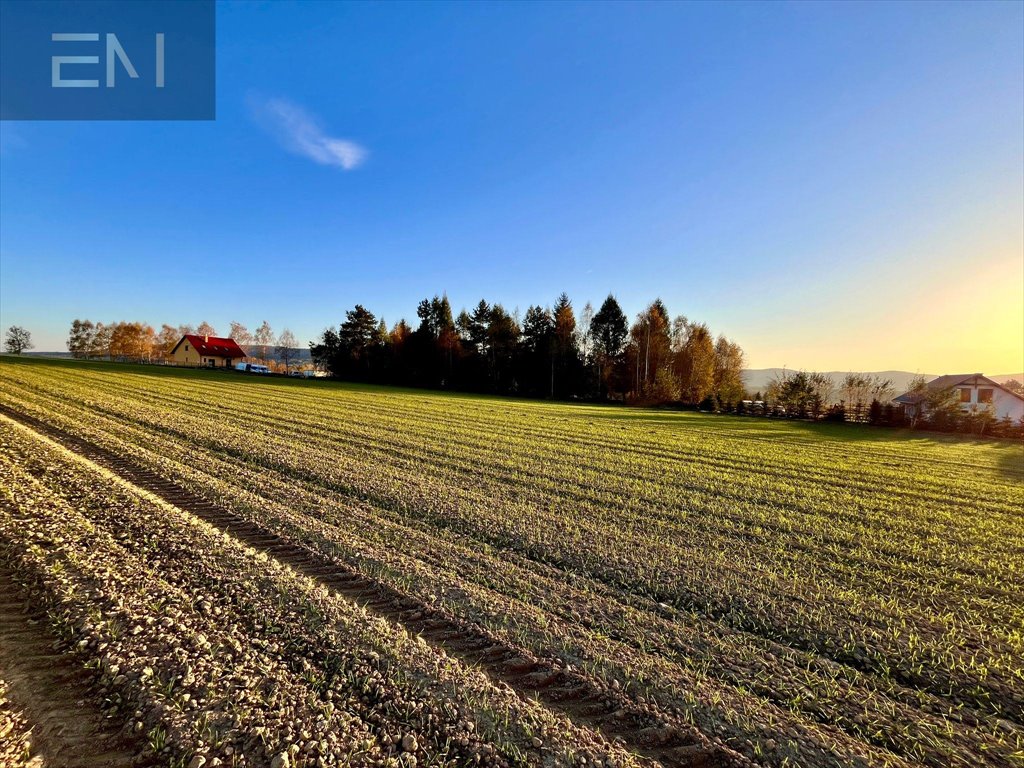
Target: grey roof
[952,380]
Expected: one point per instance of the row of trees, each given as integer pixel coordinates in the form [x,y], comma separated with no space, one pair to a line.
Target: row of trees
[549,352]
[553,355]
[140,341]
[803,394]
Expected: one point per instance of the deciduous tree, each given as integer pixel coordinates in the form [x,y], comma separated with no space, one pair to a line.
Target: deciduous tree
[81,337]
[728,372]
[101,341]
[286,350]
[263,338]
[650,338]
[131,341]
[696,364]
[18,340]
[584,341]
[165,341]
[241,335]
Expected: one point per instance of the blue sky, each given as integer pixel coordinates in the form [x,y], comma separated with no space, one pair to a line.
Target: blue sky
[834,186]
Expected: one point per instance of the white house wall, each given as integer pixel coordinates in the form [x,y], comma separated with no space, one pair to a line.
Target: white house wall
[1003,403]
[1006,404]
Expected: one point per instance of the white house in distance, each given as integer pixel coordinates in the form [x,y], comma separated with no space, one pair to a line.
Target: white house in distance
[977,392]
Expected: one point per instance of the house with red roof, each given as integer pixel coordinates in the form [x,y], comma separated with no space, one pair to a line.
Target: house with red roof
[206,352]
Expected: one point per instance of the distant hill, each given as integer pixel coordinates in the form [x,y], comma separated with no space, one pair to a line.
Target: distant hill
[1005,377]
[758,379]
[298,355]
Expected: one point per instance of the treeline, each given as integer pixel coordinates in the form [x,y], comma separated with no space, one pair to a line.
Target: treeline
[137,341]
[813,395]
[549,352]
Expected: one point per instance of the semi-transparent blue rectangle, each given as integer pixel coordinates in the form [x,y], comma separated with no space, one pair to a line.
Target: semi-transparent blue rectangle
[107,60]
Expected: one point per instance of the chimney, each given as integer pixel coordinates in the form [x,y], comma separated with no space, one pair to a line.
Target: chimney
[206,338]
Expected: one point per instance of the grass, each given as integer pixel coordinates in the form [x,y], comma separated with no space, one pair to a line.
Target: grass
[807,594]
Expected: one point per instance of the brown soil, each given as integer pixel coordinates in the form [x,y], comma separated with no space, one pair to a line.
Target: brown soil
[51,691]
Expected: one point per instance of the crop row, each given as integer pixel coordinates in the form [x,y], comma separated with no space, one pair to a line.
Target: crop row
[214,652]
[784,657]
[948,605]
[857,546]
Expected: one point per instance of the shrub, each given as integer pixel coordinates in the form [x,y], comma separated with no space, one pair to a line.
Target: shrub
[836,413]
[875,413]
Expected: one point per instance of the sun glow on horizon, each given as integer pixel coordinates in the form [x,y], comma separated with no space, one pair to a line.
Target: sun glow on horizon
[970,321]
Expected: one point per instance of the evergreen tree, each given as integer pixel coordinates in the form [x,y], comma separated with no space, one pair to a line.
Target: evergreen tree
[538,358]
[567,367]
[608,330]
[357,335]
[875,412]
[502,345]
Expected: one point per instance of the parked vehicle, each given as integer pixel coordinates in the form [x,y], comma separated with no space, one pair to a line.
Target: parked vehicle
[252,368]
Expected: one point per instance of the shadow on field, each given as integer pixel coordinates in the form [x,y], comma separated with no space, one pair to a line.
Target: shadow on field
[1009,453]
[1011,461]
[759,426]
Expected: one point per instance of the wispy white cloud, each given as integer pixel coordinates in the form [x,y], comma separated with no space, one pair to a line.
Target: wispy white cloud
[300,132]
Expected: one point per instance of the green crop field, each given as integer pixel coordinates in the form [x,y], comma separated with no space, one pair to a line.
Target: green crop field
[770,593]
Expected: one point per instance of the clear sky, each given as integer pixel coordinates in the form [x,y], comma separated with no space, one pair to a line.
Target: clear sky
[834,186]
